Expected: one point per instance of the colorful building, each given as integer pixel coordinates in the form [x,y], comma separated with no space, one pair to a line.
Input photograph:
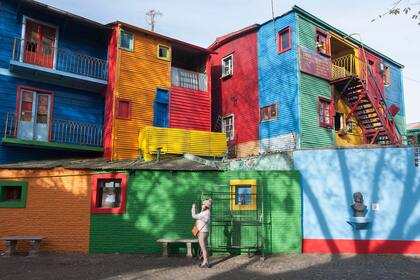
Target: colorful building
[53,73]
[97,206]
[317,87]
[155,81]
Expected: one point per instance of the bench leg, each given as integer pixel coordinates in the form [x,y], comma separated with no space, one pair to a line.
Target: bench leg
[10,247]
[34,247]
[189,251]
[165,249]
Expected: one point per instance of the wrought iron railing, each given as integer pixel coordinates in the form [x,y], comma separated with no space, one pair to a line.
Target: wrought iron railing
[348,65]
[63,131]
[188,79]
[59,59]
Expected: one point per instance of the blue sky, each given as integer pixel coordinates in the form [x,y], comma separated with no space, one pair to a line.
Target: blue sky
[201,21]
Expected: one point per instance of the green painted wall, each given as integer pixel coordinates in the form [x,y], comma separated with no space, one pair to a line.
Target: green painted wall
[159,205]
[310,89]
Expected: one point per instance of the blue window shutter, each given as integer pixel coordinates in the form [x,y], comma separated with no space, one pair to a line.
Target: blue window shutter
[160,118]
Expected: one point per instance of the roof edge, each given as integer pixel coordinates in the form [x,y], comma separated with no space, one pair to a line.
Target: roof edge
[173,40]
[220,41]
[319,21]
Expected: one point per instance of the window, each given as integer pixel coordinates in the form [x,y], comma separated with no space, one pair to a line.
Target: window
[109,193]
[339,121]
[268,113]
[227,66]
[164,52]
[285,40]
[322,42]
[386,73]
[243,194]
[123,109]
[126,40]
[13,194]
[228,127]
[324,112]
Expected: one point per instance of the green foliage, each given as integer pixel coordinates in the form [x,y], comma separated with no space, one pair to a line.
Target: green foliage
[404,8]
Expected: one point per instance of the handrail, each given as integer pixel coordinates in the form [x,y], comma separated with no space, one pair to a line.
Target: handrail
[63,131]
[384,104]
[59,59]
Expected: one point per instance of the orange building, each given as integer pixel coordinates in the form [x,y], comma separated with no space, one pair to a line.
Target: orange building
[154,80]
[54,203]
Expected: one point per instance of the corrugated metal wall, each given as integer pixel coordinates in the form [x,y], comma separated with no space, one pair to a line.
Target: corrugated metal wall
[176,141]
[189,109]
[141,72]
[310,89]
[166,210]
[238,94]
[278,84]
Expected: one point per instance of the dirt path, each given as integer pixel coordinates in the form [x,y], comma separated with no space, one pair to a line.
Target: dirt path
[291,266]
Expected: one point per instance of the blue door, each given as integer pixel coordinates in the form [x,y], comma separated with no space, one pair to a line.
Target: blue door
[160,118]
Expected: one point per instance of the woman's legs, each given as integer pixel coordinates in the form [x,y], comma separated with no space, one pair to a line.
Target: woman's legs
[202,240]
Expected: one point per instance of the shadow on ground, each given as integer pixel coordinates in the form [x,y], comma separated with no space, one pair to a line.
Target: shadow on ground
[289,266]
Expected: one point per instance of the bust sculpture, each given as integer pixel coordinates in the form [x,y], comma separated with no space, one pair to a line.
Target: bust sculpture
[359,209]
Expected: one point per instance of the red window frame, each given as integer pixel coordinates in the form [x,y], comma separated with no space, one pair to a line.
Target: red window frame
[327,42]
[270,118]
[321,109]
[50,93]
[119,114]
[94,197]
[280,41]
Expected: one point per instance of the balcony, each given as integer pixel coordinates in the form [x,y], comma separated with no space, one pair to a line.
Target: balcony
[59,134]
[188,79]
[347,66]
[154,141]
[58,66]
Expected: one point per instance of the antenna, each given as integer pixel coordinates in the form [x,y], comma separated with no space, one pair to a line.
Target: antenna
[152,15]
[274,21]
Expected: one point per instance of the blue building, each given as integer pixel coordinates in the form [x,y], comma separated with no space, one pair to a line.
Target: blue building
[53,75]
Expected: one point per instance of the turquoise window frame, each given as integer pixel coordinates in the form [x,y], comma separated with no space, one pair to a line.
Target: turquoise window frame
[13,204]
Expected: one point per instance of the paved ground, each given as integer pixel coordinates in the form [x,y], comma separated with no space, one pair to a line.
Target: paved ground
[308,266]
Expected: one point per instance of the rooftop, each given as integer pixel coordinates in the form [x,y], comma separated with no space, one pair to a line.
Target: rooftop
[183,163]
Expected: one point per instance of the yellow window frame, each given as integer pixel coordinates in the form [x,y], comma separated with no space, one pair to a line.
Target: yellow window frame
[233,185]
[169,52]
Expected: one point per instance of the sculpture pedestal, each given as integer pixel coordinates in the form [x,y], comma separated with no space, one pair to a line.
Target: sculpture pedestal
[359,223]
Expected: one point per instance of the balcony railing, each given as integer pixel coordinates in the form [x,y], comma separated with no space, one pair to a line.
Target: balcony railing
[188,79]
[59,59]
[348,65]
[176,141]
[63,132]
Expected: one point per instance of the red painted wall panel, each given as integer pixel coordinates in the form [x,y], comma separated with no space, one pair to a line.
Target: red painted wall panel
[237,94]
[189,109]
[334,246]
[109,93]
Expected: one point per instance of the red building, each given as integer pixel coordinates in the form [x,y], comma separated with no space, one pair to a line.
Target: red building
[234,72]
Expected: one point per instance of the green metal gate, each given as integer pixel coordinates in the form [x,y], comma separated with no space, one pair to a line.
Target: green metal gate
[238,231]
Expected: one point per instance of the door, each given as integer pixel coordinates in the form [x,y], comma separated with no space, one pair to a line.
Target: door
[34,116]
[39,44]
[160,118]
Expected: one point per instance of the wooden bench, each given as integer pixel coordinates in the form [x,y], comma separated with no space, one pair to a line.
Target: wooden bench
[11,242]
[166,241]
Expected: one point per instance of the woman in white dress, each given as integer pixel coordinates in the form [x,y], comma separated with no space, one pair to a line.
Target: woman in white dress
[202,221]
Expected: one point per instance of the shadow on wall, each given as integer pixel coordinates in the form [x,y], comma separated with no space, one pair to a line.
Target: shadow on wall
[386,177]
[159,206]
